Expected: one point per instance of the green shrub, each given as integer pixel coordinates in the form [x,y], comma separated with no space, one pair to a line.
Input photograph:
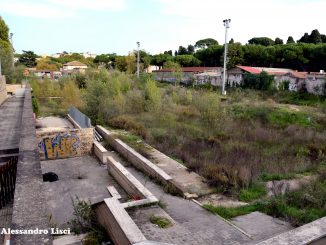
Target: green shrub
[152,95]
[253,192]
[35,106]
[276,176]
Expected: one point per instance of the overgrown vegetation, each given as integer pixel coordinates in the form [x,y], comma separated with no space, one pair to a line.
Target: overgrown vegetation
[298,207]
[162,222]
[233,142]
[85,222]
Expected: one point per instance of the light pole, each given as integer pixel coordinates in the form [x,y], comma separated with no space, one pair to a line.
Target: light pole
[138,59]
[227,25]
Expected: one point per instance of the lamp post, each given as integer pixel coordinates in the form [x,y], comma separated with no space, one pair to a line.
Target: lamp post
[227,25]
[138,59]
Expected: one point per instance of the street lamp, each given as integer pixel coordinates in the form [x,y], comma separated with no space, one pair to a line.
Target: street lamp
[138,59]
[227,25]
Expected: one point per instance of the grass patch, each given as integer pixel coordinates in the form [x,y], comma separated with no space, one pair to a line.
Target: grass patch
[229,213]
[253,192]
[275,116]
[277,176]
[162,222]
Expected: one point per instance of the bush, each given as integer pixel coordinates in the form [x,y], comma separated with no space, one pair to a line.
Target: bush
[35,106]
[162,222]
[152,95]
[127,123]
[263,81]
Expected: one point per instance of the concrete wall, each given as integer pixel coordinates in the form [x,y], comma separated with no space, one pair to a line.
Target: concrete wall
[29,208]
[3,92]
[134,157]
[12,88]
[117,223]
[64,143]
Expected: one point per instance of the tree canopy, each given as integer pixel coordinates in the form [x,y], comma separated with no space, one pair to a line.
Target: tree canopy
[28,58]
[205,43]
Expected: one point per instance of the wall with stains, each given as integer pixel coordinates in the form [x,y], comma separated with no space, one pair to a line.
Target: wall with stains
[65,143]
[3,92]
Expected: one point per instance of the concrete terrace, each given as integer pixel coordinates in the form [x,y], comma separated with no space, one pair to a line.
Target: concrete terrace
[10,123]
[82,177]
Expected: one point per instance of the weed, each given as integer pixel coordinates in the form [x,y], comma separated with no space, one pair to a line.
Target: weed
[253,192]
[162,222]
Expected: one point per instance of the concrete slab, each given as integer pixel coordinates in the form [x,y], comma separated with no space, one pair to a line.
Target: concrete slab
[10,123]
[261,226]
[80,176]
[193,224]
[50,123]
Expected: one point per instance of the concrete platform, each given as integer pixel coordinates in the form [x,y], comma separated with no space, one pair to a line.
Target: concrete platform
[10,123]
[80,176]
[261,226]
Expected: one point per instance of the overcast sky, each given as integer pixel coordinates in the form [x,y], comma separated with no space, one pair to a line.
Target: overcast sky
[105,26]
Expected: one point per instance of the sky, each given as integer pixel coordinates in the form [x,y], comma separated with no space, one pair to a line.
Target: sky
[114,26]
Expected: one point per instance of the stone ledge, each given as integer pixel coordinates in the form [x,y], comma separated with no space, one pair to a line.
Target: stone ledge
[306,234]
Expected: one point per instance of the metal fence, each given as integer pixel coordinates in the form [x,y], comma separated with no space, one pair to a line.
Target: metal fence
[80,117]
[7,181]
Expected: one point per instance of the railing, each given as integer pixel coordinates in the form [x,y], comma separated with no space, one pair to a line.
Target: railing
[7,181]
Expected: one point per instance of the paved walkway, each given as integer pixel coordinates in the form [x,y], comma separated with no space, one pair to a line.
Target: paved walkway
[10,123]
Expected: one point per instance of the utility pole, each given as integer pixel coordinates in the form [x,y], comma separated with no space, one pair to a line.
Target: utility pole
[227,26]
[138,59]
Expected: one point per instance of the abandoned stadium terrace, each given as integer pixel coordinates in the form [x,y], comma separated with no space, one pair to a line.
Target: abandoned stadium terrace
[120,184]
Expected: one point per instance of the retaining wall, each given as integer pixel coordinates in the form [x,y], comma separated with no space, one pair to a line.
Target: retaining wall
[65,143]
[117,222]
[134,157]
[3,91]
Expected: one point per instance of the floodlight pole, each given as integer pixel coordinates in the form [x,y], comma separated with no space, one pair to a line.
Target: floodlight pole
[138,59]
[227,25]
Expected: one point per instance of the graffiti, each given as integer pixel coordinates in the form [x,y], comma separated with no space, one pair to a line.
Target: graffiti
[61,146]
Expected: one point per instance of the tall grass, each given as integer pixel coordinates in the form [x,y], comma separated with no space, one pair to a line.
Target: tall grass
[230,142]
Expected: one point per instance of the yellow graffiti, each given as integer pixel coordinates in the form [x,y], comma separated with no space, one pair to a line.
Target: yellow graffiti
[59,149]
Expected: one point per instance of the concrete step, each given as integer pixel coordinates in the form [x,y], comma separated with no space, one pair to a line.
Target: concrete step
[69,240]
[261,226]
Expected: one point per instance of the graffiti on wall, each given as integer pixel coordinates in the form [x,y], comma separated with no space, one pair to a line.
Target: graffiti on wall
[62,145]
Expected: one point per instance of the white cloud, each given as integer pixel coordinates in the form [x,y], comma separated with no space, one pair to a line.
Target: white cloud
[56,9]
[42,11]
[250,18]
[103,5]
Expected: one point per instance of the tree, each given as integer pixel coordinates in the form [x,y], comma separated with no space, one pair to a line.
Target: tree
[190,49]
[235,55]
[182,50]
[160,59]
[176,71]
[211,55]
[103,59]
[290,40]
[28,58]
[315,37]
[265,41]
[6,56]
[187,60]
[323,38]
[168,52]
[4,30]
[205,43]
[231,41]
[278,41]
[304,39]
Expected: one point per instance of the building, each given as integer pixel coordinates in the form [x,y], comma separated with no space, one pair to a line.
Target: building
[296,79]
[188,74]
[74,66]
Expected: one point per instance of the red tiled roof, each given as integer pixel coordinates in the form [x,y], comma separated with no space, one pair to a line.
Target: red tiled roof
[191,69]
[273,71]
[250,69]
